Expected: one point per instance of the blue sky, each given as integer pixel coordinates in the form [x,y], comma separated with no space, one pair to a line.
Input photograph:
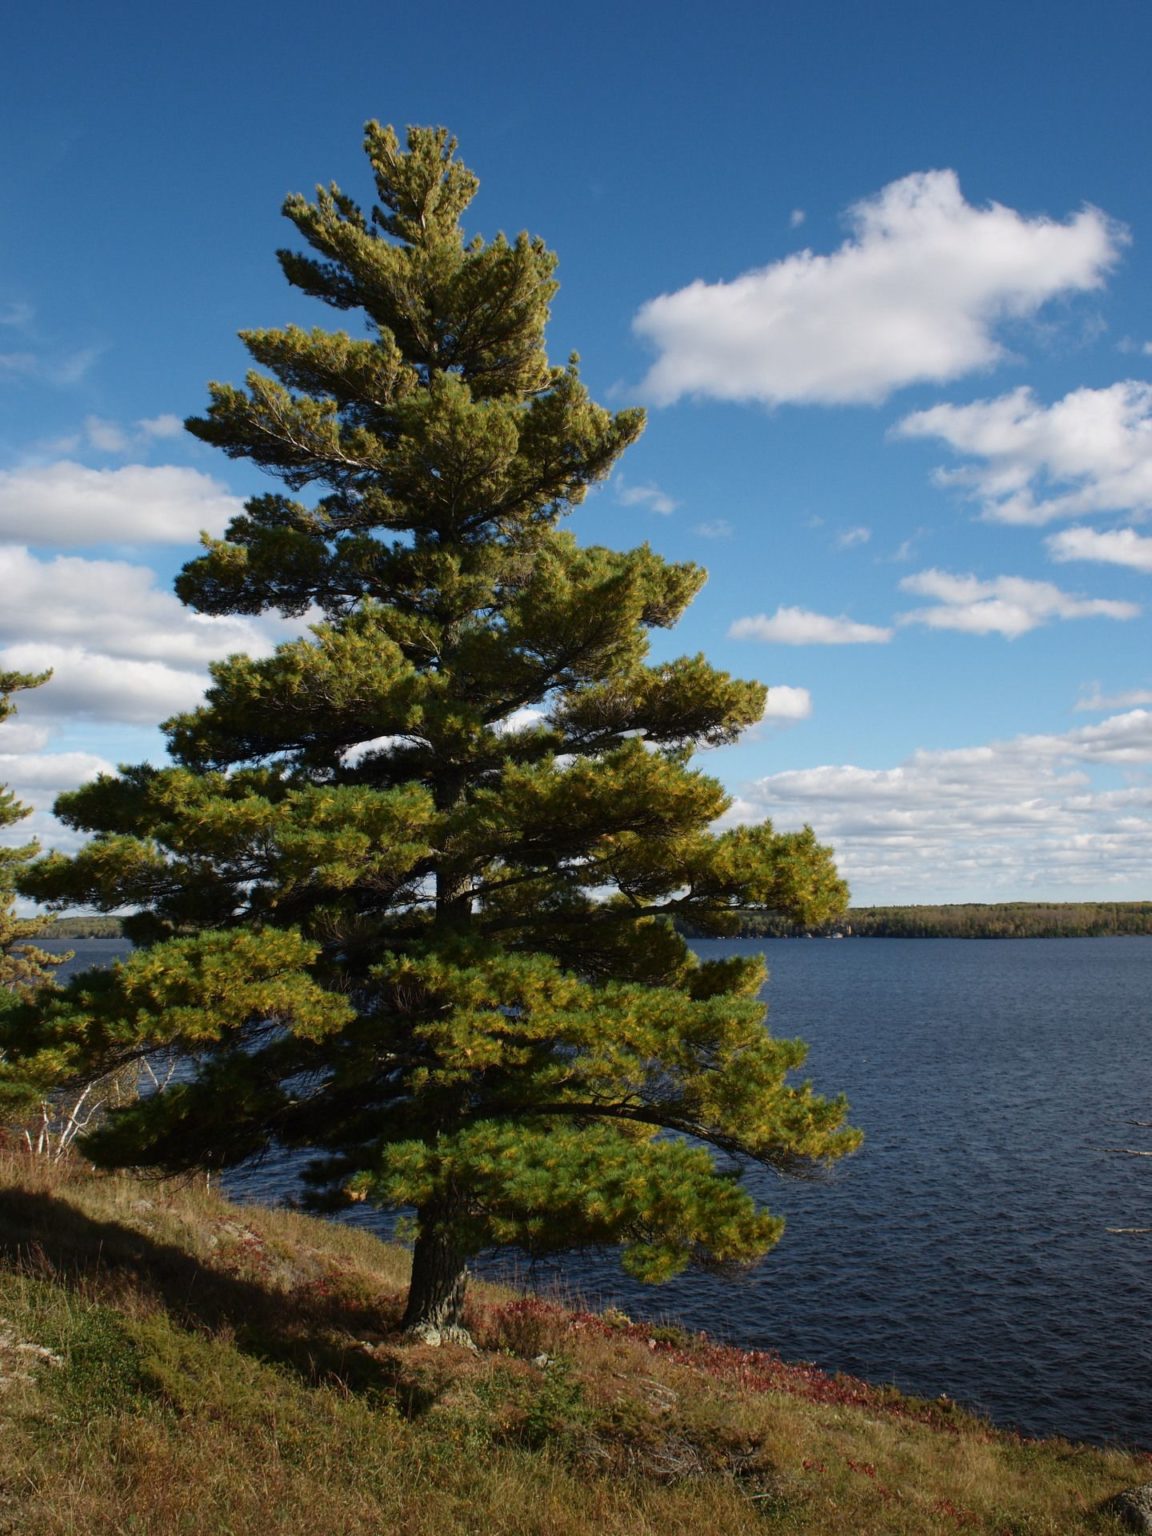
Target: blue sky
[881,273]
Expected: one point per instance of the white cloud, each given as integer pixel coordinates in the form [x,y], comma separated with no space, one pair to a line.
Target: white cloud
[161,426]
[1087,453]
[1006,605]
[110,437]
[1132,699]
[119,647]
[799,626]
[1122,546]
[361,749]
[521,719]
[86,685]
[786,703]
[916,293]
[796,218]
[36,778]
[105,436]
[33,775]
[113,607]
[717,528]
[650,496]
[1125,738]
[19,736]
[1005,820]
[851,538]
[67,503]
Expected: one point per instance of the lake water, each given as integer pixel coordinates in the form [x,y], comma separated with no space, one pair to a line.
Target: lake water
[965,1249]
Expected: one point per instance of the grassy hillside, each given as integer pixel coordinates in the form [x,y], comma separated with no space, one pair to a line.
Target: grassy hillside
[173,1364]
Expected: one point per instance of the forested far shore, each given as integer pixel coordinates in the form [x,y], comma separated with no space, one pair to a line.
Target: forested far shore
[80,927]
[969,920]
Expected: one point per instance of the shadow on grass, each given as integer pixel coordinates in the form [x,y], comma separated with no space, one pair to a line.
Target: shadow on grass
[317,1337]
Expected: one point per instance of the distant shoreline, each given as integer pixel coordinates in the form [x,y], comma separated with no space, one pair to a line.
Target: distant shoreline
[964,920]
[959,920]
[80,927]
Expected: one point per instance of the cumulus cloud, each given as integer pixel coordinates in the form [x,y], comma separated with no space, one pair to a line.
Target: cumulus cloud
[166,425]
[19,736]
[120,648]
[67,503]
[796,218]
[1133,698]
[981,823]
[34,775]
[650,496]
[86,685]
[916,293]
[114,607]
[799,626]
[1006,605]
[787,703]
[1090,452]
[121,652]
[37,778]
[1124,738]
[1122,546]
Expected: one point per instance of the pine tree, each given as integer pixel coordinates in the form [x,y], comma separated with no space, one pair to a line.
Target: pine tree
[407,895]
[23,967]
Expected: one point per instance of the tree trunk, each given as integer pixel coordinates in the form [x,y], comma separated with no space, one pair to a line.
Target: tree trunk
[435,1310]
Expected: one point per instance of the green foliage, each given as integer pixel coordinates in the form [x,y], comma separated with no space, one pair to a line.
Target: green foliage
[407,894]
[23,967]
[556,1413]
[102,1372]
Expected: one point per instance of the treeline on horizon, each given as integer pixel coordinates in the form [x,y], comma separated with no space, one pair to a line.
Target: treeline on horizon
[81,926]
[969,920]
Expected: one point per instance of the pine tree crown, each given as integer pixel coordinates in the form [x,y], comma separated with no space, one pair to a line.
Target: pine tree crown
[408,895]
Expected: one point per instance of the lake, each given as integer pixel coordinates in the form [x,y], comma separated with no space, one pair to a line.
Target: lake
[965,1249]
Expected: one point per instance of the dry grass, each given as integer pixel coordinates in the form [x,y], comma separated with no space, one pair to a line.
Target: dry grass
[173,1364]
